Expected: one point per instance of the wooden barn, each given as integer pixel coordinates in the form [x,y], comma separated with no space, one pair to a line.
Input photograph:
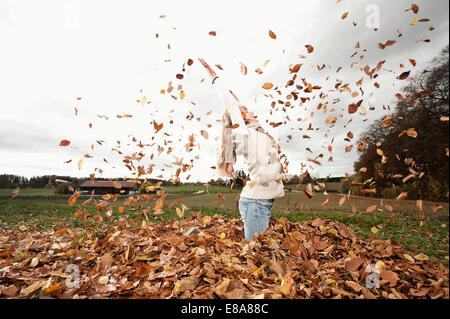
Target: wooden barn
[108,187]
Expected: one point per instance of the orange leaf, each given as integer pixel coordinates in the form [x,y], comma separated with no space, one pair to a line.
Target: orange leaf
[272,35]
[64,143]
[267,86]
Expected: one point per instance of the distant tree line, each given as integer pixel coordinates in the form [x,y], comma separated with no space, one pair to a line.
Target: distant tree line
[13,181]
[408,151]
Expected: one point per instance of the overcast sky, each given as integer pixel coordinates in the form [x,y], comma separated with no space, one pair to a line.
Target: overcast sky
[113,53]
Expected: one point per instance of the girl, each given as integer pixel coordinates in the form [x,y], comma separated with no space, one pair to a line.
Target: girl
[243,135]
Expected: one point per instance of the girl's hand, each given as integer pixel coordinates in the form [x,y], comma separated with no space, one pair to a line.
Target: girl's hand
[210,70]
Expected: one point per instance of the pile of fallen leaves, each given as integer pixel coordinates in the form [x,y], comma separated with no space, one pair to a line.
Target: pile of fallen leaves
[314,259]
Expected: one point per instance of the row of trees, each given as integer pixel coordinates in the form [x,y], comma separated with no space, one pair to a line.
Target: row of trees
[414,141]
[13,181]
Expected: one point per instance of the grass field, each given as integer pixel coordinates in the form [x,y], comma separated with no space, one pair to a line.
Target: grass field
[401,225]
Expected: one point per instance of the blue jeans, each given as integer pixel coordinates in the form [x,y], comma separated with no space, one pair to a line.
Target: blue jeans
[255,215]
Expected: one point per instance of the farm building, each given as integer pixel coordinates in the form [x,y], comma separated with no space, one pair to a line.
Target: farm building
[105,187]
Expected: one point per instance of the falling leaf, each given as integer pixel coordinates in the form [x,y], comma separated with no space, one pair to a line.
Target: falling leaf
[15,193]
[310,48]
[272,35]
[64,143]
[74,198]
[371,209]
[80,163]
[267,86]
[204,134]
[212,33]
[404,75]
[344,15]
[402,196]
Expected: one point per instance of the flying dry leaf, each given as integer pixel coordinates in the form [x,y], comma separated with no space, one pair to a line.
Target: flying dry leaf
[404,75]
[310,48]
[272,34]
[402,196]
[325,204]
[74,198]
[15,192]
[344,15]
[371,209]
[267,86]
[204,134]
[64,143]
[80,163]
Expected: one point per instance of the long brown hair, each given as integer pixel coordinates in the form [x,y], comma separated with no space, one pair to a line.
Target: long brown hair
[227,153]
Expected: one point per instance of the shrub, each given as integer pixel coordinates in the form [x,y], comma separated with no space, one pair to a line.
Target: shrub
[62,189]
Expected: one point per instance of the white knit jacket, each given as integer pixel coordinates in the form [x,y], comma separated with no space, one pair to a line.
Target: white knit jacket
[263,164]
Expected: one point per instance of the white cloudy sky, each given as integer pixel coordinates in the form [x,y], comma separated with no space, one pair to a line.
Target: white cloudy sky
[106,52]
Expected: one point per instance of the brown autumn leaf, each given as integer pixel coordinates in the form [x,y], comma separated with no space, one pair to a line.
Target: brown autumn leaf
[15,193]
[272,34]
[324,205]
[402,196]
[353,264]
[64,143]
[212,33]
[344,16]
[390,276]
[295,68]
[286,285]
[404,75]
[74,198]
[371,209]
[267,86]
[310,48]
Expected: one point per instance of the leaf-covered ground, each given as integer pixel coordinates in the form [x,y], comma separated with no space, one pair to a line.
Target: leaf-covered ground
[312,259]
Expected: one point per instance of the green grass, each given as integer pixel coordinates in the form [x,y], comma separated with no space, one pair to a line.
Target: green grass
[401,225]
[189,189]
[28,191]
